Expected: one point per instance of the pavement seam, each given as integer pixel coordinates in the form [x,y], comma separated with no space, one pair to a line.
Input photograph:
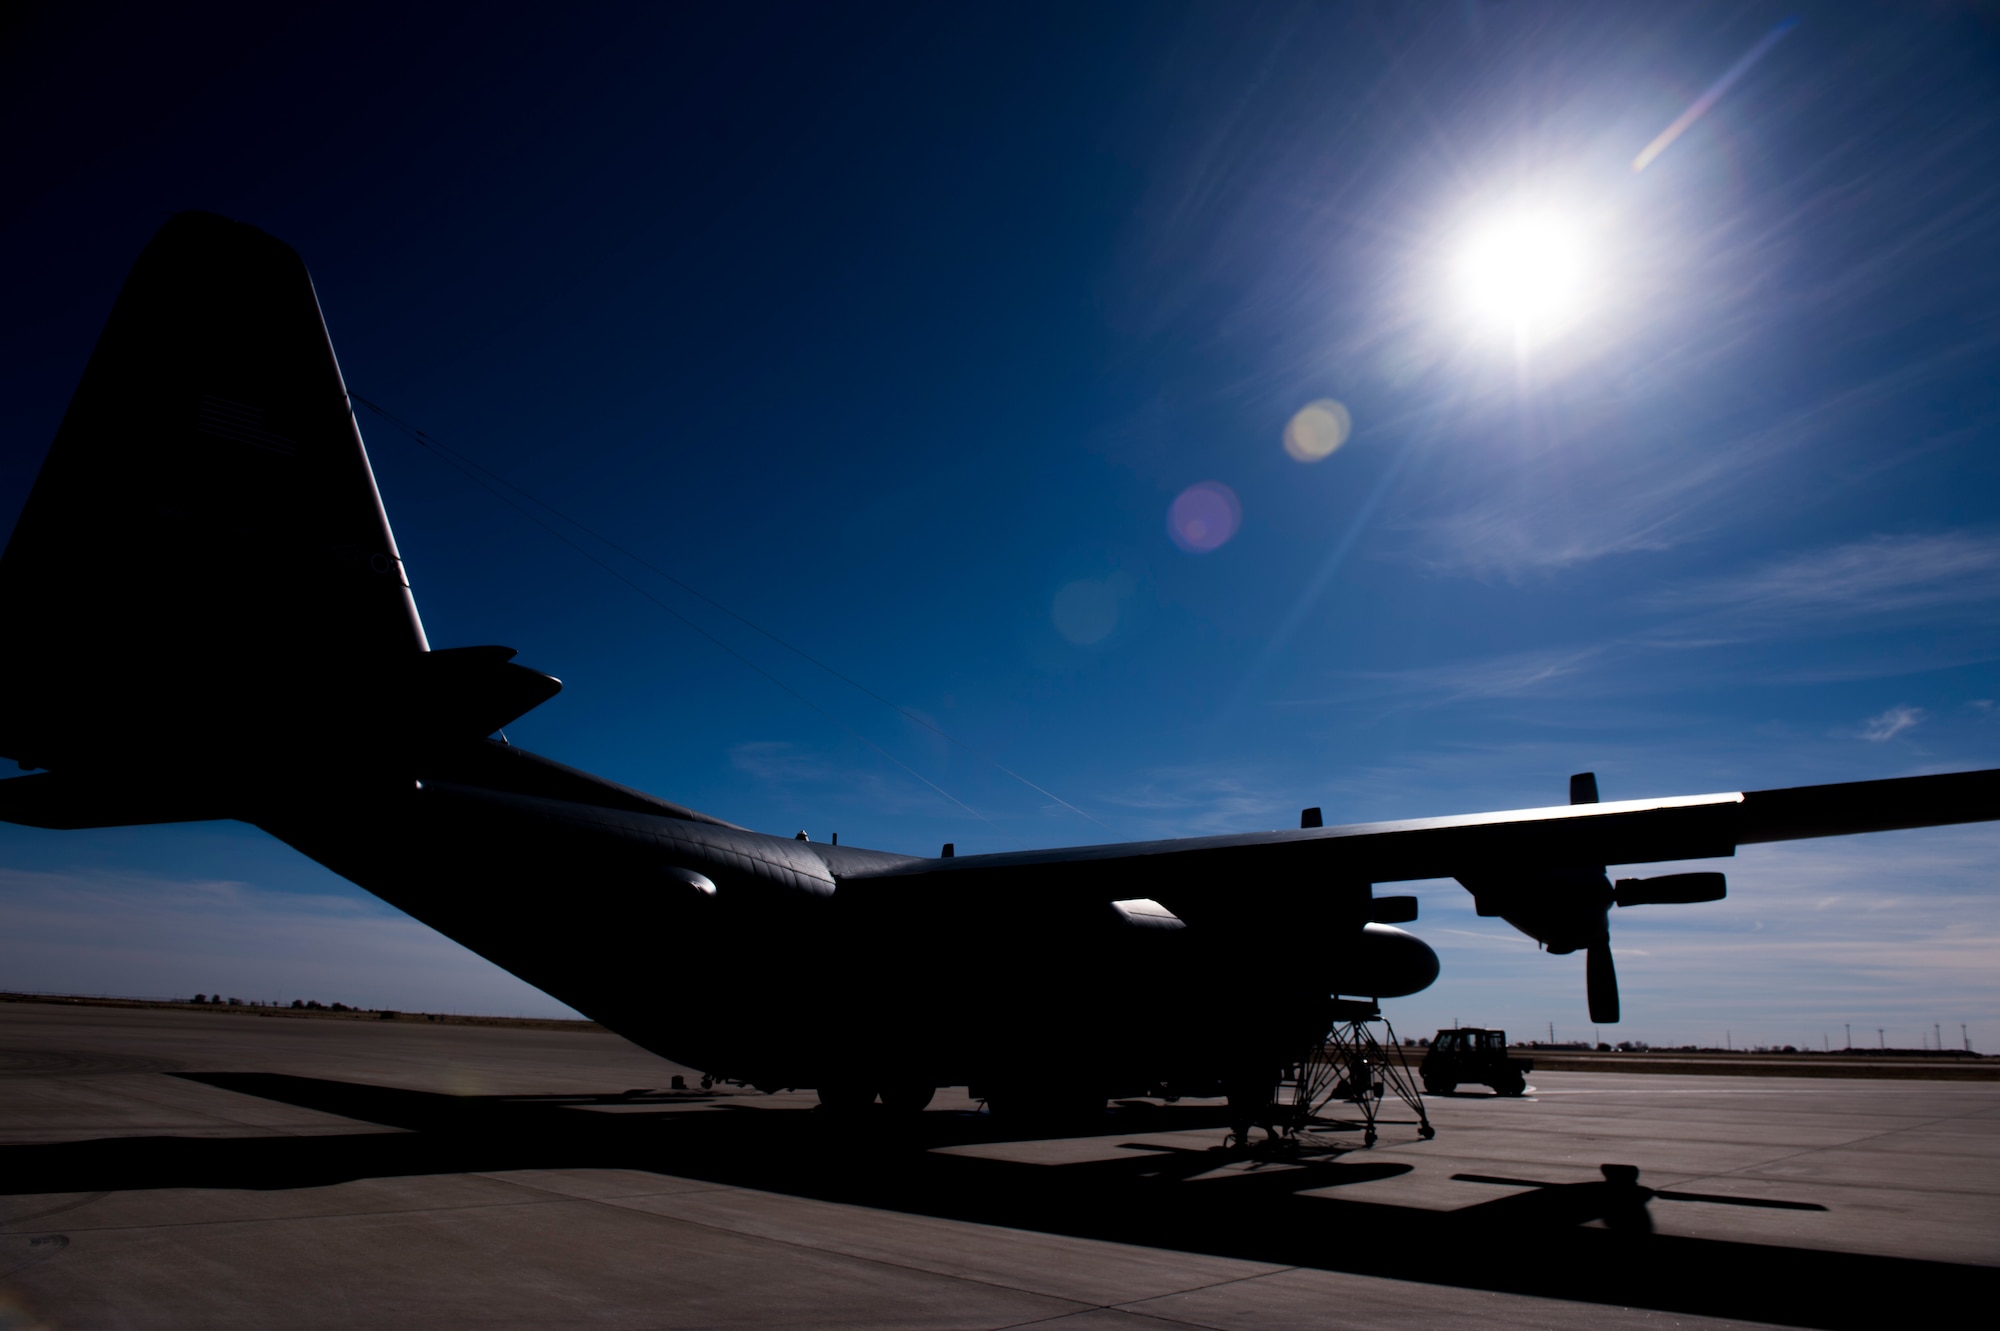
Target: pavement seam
[1131,1306]
[7,1225]
[501,1178]
[292,1219]
[295,1130]
[1120,1309]
[1839,1146]
[1084,1305]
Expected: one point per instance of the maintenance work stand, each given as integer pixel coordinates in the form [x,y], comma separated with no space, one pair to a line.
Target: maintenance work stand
[1343,1084]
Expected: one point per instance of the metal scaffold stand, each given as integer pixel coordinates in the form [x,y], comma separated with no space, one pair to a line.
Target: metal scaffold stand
[1345,1082]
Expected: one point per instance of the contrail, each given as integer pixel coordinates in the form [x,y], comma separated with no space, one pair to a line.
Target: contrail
[1714,93]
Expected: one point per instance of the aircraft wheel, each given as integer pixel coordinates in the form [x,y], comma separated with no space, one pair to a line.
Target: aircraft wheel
[1049,1108]
[899,1097]
[846,1097]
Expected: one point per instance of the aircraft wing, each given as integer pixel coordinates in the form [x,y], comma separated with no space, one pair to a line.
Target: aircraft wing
[1467,845]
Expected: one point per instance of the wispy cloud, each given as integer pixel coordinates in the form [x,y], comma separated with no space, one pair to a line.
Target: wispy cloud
[1584,497]
[1199,801]
[780,762]
[1937,581]
[1880,576]
[1891,723]
[1513,674]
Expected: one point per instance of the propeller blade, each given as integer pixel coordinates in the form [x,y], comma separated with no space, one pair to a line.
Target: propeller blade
[1601,980]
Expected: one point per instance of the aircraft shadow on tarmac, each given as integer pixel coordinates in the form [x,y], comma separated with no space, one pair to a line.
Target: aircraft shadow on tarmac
[1287,1210]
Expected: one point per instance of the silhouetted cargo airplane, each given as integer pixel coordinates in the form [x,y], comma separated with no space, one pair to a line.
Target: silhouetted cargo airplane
[206,617]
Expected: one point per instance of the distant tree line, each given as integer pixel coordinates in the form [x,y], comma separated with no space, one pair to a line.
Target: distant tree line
[309,1004]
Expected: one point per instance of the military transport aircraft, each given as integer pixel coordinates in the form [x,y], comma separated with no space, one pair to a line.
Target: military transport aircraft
[206,617]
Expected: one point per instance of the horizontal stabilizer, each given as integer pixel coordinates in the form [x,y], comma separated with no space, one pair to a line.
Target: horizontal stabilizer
[71,803]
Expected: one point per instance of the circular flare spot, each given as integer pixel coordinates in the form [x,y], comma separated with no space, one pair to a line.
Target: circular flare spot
[1317,429]
[1085,611]
[1203,517]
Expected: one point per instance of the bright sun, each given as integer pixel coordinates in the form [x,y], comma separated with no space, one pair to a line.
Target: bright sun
[1525,274]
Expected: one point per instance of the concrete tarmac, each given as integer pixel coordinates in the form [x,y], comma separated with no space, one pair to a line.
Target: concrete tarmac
[218,1170]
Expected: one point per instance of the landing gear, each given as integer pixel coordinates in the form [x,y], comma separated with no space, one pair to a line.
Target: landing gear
[1251,1105]
[846,1097]
[906,1097]
[1049,1107]
[856,1095]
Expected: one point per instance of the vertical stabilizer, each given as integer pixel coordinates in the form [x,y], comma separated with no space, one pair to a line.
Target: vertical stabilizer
[204,556]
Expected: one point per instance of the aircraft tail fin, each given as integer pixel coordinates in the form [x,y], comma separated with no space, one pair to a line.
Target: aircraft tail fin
[203,570]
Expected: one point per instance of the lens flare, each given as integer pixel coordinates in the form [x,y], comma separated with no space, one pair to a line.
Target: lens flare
[1317,429]
[1085,611]
[1525,273]
[1203,517]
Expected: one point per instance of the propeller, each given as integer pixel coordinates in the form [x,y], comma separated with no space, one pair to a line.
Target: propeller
[1600,979]
[1600,973]
[1567,907]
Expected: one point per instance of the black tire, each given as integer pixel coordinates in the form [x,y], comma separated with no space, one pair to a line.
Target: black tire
[1439,1086]
[846,1097]
[1515,1085]
[1050,1109]
[901,1097]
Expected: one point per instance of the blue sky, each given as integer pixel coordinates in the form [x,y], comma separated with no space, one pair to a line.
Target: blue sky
[900,331]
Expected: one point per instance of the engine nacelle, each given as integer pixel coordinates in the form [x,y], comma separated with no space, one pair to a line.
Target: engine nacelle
[1562,909]
[1388,963]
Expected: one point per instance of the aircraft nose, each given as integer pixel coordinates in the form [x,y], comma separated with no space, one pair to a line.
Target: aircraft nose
[1390,963]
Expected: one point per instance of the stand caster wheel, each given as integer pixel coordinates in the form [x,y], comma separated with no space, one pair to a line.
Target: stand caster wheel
[1427,1132]
[1369,1139]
